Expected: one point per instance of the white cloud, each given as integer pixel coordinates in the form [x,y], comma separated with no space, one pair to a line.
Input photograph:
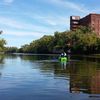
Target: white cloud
[15,24]
[19,33]
[16,27]
[53,21]
[10,23]
[8,1]
[68,4]
[58,21]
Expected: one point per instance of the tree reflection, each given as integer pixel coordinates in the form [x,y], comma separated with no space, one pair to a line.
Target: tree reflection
[36,57]
[1,59]
[85,77]
[1,63]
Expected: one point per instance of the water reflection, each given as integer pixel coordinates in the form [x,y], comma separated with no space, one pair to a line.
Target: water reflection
[44,75]
[38,57]
[85,77]
[64,64]
[1,59]
[1,64]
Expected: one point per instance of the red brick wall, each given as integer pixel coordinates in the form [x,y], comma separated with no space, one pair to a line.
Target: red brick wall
[92,20]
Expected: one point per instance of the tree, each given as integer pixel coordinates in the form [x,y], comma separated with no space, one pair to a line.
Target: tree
[84,40]
[81,41]
[2,43]
[1,32]
[11,50]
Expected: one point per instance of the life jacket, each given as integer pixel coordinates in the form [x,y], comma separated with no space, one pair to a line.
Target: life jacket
[63,59]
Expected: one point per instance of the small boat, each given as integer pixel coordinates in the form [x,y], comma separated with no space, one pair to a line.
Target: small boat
[63,59]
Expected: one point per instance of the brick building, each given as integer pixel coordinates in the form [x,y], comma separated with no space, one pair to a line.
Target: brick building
[91,20]
[74,22]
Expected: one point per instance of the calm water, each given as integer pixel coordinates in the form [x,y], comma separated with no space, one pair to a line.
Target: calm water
[42,77]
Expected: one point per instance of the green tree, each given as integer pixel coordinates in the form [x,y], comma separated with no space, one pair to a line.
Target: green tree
[84,40]
[11,50]
[81,41]
[2,43]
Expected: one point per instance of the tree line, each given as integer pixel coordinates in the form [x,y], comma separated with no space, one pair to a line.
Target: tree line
[2,43]
[81,41]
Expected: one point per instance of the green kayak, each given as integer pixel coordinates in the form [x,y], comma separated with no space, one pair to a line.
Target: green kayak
[63,59]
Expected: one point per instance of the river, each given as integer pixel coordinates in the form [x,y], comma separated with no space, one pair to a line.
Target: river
[43,77]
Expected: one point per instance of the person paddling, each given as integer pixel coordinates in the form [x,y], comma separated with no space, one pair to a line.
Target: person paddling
[63,57]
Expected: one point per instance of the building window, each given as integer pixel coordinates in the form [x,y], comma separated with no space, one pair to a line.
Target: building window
[75,22]
[73,18]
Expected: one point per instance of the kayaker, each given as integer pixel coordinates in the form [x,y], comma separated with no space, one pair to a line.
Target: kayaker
[64,54]
[63,57]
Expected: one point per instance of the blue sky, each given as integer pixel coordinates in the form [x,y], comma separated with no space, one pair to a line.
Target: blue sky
[23,21]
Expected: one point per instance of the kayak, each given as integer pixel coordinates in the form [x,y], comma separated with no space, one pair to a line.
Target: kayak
[63,59]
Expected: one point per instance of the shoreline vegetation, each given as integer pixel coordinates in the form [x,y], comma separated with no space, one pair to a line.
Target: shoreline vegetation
[83,41]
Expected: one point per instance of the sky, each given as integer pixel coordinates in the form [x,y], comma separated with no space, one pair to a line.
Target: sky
[23,21]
